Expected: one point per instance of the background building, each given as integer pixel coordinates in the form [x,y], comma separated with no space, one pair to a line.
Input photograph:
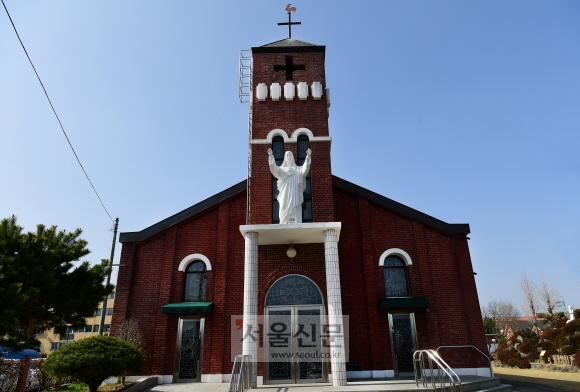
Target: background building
[49,341]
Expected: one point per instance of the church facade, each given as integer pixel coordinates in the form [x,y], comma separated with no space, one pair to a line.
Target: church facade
[347,289]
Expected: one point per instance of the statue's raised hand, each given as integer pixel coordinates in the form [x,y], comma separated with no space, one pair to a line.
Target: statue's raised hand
[269,152]
[309,152]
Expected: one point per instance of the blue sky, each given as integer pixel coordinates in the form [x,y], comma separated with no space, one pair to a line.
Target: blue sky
[467,111]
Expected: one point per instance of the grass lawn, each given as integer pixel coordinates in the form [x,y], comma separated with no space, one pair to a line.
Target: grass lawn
[562,379]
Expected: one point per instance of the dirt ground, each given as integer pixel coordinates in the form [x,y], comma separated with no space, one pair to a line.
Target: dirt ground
[523,379]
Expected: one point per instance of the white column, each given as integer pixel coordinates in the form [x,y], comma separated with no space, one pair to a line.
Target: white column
[337,356]
[250,346]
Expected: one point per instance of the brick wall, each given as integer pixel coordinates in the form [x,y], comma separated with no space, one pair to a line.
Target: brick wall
[441,272]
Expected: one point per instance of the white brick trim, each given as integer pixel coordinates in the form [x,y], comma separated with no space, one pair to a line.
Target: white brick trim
[193,257]
[395,252]
[291,139]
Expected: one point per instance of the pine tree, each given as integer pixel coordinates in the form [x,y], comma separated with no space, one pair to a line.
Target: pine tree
[40,288]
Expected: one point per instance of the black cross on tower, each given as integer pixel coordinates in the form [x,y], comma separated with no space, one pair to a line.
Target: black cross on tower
[289,68]
[290,9]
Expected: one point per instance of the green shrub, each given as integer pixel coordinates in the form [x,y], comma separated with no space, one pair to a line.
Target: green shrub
[94,359]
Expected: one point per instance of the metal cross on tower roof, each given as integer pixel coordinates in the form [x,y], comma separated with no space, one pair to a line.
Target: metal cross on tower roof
[290,9]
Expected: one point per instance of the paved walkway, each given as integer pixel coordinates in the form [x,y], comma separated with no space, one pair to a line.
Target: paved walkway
[391,384]
[521,386]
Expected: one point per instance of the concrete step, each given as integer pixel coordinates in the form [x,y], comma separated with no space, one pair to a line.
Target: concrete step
[482,385]
[499,388]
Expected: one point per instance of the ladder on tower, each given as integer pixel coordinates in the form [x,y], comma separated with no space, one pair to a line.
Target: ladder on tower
[245,80]
[245,95]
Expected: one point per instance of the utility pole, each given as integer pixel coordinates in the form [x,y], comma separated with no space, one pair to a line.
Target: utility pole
[102,324]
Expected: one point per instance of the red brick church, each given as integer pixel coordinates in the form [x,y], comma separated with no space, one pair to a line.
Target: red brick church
[357,277]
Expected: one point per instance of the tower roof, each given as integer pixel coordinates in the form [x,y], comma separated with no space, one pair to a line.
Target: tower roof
[289,44]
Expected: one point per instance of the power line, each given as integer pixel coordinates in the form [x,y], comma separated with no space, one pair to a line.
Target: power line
[54,111]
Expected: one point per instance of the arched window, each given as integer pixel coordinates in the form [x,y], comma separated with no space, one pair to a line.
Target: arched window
[303,145]
[278,152]
[395,271]
[195,282]
[294,290]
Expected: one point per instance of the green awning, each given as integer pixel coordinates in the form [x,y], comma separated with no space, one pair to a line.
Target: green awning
[188,307]
[409,302]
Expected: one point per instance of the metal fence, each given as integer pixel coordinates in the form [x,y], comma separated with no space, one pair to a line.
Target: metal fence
[26,375]
[9,371]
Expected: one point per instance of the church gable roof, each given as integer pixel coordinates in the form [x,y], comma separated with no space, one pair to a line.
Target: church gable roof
[158,227]
[337,182]
[449,228]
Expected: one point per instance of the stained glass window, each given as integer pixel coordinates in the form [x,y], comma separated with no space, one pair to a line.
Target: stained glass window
[190,350]
[395,271]
[303,146]
[278,151]
[294,290]
[403,342]
[195,282]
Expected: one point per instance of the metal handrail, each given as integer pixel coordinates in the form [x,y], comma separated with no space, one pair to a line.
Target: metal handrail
[241,378]
[481,352]
[444,371]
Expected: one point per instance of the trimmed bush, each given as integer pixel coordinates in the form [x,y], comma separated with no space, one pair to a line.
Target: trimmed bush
[572,327]
[528,346]
[94,359]
[533,356]
[512,362]
[523,364]
[577,359]
[567,350]
[505,354]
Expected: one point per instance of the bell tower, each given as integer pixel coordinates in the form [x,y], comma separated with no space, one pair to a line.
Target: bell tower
[289,105]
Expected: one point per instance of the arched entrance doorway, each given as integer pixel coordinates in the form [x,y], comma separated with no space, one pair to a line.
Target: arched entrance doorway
[293,347]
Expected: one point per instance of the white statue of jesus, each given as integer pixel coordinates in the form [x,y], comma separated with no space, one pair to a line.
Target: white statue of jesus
[290,185]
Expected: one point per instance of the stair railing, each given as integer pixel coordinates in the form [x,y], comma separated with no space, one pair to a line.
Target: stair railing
[439,371]
[470,346]
[241,378]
